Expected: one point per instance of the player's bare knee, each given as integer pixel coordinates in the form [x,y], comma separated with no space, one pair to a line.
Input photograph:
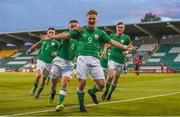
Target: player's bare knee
[111,77]
[64,84]
[38,75]
[43,83]
[81,84]
[101,85]
[43,80]
[53,84]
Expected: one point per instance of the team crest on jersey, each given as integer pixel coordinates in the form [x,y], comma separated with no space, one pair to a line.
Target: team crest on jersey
[96,36]
[122,41]
[52,44]
[108,53]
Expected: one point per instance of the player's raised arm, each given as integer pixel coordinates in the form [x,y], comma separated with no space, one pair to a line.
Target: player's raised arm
[119,45]
[64,35]
[36,45]
[68,35]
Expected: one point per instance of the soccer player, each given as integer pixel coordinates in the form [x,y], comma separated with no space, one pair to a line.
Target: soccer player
[89,39]
[137,62]
[62,66]
[116,60]
[44,59]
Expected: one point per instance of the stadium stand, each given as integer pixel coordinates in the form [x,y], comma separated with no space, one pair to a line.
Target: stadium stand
[167,54]
[146,48]
[156,41]
[17,61]
[7,53]
[177,59]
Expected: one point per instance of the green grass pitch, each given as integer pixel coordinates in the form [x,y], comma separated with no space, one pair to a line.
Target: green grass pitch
[149,95]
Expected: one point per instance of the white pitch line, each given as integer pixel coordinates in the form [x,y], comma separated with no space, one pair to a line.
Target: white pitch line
[102,103]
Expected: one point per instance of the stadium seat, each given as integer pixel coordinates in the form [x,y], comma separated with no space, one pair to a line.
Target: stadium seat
[7,53]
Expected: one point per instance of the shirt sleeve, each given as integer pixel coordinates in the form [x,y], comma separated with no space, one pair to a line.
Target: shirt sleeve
[111,36]
[57,43]
[105,37]
[129,39]
[40,42]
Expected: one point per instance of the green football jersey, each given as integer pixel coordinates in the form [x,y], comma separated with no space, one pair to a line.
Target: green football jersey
[47,47]
[67,49]
[89,41]
[116,54]
[104,61]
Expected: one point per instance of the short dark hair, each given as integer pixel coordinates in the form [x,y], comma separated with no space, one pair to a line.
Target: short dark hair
[51,28]
[120,23]
[73,21]
[90,12]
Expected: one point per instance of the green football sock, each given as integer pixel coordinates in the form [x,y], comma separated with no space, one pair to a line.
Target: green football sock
[35,84]
[108,84]
[81,98]
[61,96]
[40,89]
[113,86]
[94,89]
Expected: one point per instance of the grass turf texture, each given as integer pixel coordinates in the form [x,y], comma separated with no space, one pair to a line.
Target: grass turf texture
[15,97]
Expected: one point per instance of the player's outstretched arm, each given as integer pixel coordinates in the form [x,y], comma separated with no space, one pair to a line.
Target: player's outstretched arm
[64,35]
[45,37]
[119,45]
[34,35]
[36,45]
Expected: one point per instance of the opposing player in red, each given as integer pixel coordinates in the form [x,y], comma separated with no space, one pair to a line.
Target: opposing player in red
[137,62]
